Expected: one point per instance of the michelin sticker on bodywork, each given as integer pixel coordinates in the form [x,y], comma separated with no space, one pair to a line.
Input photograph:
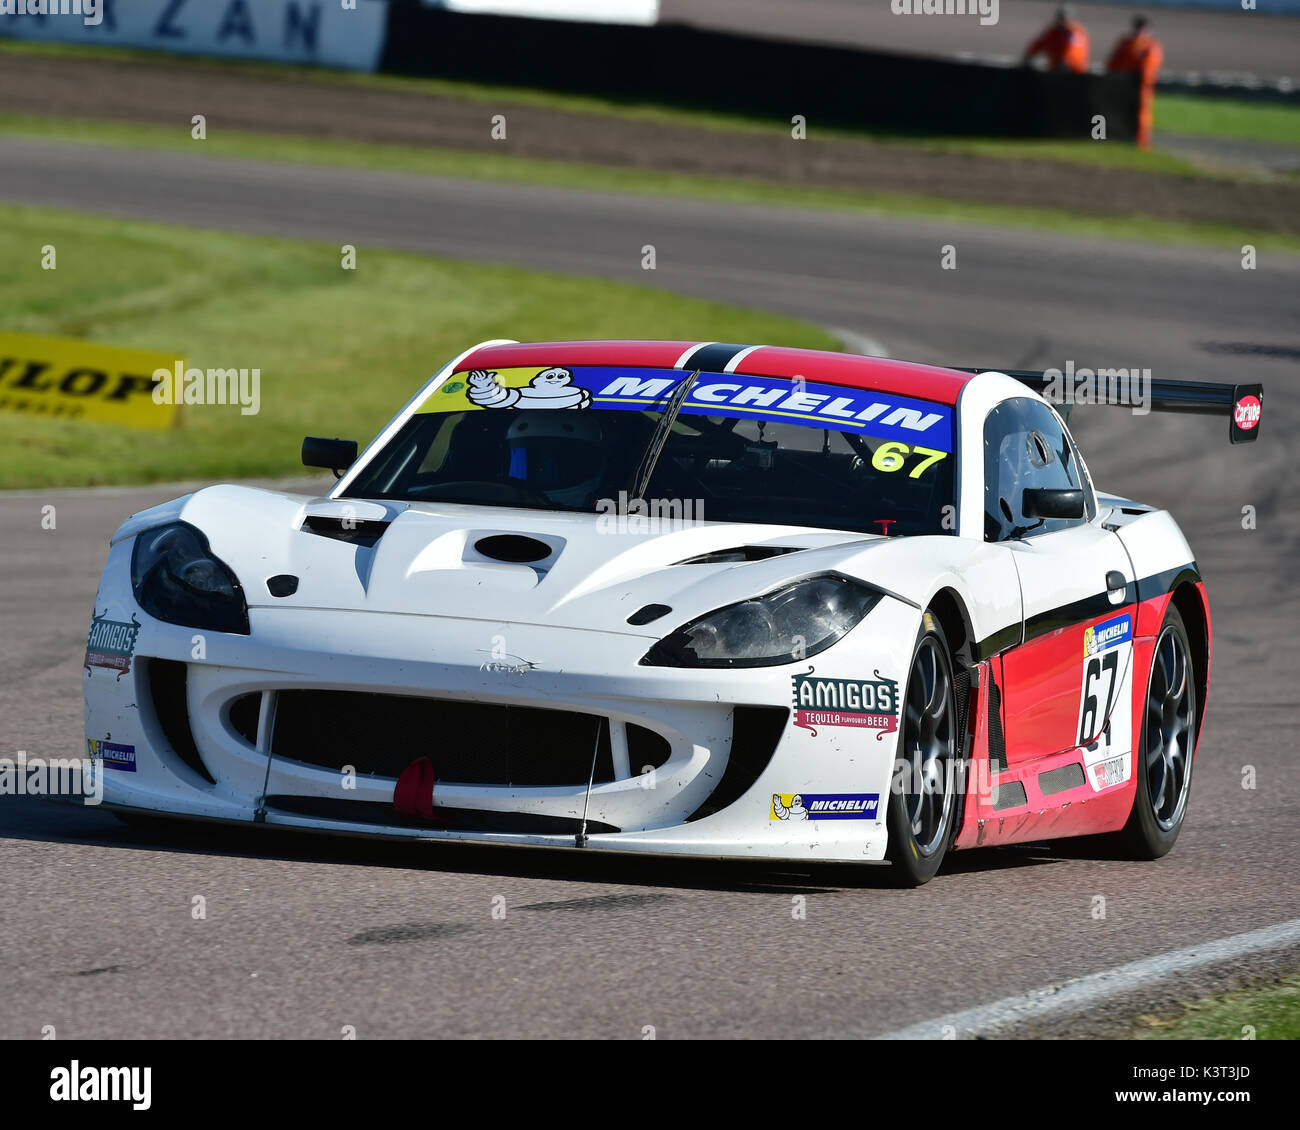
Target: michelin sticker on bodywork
[825,806]
[111,755]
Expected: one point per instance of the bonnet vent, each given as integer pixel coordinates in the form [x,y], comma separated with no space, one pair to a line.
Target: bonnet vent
[514,548]
[351,530]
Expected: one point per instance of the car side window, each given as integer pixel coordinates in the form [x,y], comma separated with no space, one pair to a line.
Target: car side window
[1025,447]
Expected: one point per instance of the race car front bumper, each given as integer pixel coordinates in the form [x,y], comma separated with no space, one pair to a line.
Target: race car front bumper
[308,721]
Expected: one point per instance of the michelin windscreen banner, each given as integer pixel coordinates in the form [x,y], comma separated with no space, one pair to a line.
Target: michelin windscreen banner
[323,32]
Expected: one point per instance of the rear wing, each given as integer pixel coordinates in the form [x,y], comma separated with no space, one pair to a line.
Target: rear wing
[1243,405]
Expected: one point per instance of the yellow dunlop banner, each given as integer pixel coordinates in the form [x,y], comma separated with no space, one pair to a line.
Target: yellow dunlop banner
[58,378]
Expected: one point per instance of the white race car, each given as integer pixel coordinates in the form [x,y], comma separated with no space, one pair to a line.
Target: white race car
[676,598]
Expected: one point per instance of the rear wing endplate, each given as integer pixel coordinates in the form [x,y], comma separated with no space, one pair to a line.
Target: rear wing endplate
[1243,405]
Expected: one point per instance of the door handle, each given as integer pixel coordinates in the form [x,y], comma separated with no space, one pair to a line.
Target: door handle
[1115,580]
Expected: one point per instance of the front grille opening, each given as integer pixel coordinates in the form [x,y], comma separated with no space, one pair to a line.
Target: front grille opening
[166,689]
[646,748]
[469,743]
[244,713]
[755,731]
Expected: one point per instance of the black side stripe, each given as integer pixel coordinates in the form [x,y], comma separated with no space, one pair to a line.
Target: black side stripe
[712,358]
[1087,608]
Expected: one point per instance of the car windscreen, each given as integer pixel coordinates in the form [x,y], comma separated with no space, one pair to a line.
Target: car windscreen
[741,449]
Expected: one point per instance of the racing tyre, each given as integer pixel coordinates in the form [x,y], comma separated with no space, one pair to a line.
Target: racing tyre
[921,813]
[1168,739]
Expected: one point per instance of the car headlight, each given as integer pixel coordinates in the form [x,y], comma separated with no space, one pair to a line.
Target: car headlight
[789,624]
[176,578]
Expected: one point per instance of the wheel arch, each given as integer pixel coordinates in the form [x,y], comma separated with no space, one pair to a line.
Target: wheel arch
[947,607]
[1190,602]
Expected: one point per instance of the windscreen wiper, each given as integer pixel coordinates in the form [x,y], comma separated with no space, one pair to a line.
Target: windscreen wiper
[660,437]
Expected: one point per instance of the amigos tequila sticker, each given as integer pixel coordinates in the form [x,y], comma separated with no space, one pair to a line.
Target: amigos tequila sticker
[869,704]
[111,643]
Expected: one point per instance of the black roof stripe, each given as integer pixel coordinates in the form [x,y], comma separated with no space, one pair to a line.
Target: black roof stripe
[713,357]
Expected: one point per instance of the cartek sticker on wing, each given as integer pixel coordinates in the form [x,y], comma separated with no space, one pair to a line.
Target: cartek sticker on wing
[111,755]
[1107,773]
[824,806]
[870,704]
[111,643]
[917,423]
[1105,712]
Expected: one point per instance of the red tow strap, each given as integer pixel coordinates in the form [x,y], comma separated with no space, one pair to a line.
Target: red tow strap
[414,793]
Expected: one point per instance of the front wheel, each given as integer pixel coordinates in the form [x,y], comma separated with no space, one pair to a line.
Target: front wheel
[1163,765]
[922,797]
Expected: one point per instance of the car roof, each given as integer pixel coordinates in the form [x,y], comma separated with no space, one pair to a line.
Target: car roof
[877,374]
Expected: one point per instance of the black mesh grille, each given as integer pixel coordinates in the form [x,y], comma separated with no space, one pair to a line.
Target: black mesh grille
[1011,794]
[469,743]
[961,692]
[167,691]
[1058,780]
[997,743]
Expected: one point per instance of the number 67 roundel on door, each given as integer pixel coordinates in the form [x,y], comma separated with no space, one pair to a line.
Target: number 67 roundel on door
[1105,701]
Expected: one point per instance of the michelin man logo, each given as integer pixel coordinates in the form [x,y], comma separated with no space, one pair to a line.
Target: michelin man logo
[551,388]
[792,811]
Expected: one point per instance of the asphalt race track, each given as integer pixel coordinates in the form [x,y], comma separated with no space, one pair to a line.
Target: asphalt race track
[303,936]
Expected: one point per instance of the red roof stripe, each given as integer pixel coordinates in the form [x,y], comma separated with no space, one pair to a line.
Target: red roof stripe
[902,378]
[880,374]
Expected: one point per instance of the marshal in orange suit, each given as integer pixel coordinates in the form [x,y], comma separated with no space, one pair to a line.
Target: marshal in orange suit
[1140,53]
[1064,43]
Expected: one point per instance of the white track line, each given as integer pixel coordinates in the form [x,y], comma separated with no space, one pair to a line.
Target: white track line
[859,343]
[1083,992]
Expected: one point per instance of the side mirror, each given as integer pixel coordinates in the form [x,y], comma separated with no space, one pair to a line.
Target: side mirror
[1042,502]
[335,455]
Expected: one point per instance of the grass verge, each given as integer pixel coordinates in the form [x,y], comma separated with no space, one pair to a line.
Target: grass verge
[1240,119]
[1270,1013]
[339,351]
[563,174]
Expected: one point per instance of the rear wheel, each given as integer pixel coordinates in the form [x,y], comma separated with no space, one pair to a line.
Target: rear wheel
[1163,766]
[922,798]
